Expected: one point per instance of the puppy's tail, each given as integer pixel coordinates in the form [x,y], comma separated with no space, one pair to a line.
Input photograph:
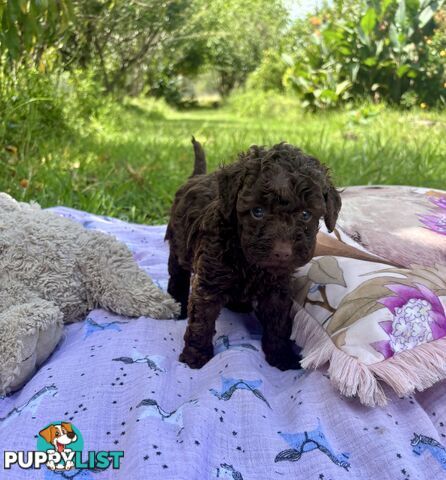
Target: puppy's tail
[200,159]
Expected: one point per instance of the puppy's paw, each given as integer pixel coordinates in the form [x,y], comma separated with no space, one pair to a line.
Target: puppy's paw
[195,358]
[285,360]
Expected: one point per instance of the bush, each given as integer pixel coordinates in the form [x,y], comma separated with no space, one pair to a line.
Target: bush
[38,106]
[393,50]
[83,94]
[269,74]
[30,107]
[258,103]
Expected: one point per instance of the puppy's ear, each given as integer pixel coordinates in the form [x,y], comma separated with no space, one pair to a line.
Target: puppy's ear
[48,433]
[229,180]
[333,205]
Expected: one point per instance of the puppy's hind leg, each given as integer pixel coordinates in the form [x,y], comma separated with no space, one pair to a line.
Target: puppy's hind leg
[179,284]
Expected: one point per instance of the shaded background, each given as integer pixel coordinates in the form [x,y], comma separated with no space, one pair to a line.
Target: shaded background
[99,98]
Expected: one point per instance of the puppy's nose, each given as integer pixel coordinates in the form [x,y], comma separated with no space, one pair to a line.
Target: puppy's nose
[282,251]
[70,434]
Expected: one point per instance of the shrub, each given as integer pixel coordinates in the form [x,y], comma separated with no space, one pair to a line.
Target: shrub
[30,108]
[269,74]
[83,94]
[38,106]
[392,50]
[258,103]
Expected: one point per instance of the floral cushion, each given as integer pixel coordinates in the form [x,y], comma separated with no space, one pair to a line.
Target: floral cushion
[380,315]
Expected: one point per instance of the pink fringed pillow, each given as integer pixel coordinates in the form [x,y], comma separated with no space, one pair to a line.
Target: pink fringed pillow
[384,319]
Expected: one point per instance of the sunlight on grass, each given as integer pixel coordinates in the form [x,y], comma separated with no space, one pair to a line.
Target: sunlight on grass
[128,161]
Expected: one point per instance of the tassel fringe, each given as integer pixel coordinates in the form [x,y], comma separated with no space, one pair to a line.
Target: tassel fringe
[406,372]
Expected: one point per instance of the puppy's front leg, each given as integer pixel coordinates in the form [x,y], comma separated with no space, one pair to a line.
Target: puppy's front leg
[273,311]
[203,309]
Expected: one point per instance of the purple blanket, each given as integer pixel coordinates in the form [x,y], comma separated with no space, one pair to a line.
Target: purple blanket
[119,382]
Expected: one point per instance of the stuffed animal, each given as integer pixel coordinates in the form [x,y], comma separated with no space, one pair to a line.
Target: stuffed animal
[53,271]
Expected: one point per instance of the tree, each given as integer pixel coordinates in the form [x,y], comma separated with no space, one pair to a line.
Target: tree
[121,37]
[28,27]
[238,34]
[129,43]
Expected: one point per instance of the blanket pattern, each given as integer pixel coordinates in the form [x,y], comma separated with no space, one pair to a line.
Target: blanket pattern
[118,380]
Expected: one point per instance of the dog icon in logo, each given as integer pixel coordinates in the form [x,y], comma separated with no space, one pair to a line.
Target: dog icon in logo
[59,436]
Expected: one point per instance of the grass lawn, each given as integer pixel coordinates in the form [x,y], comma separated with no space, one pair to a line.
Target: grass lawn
[128,161]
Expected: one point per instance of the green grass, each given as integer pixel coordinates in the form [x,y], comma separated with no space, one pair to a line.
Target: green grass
[128,161]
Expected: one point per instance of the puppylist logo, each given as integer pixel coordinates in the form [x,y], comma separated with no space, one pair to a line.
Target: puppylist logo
[59,447]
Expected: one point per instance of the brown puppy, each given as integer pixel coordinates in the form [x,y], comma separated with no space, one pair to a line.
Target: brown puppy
[242,231]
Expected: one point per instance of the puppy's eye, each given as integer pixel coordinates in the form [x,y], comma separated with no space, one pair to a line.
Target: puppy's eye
[306,215]
[57,434]
[257,213]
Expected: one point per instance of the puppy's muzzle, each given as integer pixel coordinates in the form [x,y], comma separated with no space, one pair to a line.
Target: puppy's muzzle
[282,252]
[281,257]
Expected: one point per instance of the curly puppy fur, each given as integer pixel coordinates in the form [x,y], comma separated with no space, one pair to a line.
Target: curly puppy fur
[242,231]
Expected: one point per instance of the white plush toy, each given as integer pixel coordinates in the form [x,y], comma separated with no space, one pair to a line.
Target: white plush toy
[53,271]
